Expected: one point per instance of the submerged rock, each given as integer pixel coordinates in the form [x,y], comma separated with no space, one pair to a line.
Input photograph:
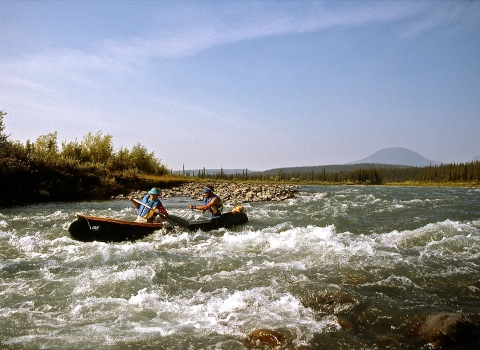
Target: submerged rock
[331,302]
[266,337]
[445,329]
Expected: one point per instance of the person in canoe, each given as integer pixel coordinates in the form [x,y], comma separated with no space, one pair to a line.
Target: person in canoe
[150,209]
[211,202]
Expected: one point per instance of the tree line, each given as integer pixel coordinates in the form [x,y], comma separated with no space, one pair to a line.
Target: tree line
[95,152]
[370,175]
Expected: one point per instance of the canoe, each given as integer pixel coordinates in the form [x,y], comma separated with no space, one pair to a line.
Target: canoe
[91,228]
[226,220]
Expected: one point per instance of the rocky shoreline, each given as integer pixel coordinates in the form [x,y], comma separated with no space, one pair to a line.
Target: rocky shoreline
[231,193]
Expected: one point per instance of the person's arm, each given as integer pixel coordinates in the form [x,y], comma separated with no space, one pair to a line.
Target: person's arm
[134,203]
[159,209]
[203,208]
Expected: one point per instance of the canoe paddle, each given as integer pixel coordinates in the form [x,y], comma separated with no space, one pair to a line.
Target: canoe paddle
[171,219]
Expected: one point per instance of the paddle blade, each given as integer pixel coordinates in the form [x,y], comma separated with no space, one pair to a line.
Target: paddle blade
[177,221]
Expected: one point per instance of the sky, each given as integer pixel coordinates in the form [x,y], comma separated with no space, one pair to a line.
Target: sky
[246,84]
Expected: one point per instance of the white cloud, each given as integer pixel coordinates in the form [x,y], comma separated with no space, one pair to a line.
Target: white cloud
[207,28]
[199,32]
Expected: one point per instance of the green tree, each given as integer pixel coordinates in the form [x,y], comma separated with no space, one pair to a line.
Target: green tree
[144,161]
[3,137]
[72,150]
[121,160]
[29,148]
[46,147]
[97,148]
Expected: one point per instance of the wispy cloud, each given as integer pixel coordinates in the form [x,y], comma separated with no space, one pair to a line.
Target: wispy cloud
[199,30]
[211,28]
[433,16]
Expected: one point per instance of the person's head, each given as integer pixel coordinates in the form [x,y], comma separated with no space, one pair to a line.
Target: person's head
[208,191]
[154,192]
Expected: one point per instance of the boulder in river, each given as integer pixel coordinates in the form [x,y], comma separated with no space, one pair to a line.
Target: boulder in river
[445,330]
[331,301]
[266,338]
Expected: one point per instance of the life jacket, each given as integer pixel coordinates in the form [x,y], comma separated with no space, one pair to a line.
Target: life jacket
[145,212]
[219,206]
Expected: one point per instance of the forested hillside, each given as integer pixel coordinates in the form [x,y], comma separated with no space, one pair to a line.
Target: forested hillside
[363,174]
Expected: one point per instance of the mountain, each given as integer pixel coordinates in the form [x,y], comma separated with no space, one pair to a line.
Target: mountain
[336,168]
[398,156]
[387,158]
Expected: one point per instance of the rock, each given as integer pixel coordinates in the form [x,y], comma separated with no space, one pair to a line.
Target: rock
[444,329]
[346,324]
[266,337]
[231,193]
[334,301]
[44,193]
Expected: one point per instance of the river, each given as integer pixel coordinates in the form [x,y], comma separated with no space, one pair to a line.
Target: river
[336,267]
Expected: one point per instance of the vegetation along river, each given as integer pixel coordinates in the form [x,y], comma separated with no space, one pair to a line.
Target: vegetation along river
[335,267]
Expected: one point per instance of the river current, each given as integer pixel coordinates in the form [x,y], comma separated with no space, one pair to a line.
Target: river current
[336,267]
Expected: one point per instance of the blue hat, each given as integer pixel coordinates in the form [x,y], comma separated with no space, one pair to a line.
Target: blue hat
[207,190]
[154,191]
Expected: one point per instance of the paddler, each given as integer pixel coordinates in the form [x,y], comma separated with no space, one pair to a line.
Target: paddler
[150,209]
[211,202]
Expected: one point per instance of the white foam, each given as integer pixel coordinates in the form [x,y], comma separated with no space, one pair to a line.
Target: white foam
[313,197]
[225,283]
[401,282]
[27,244]
[218,312]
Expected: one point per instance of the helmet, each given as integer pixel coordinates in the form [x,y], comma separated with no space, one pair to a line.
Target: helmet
[154,191]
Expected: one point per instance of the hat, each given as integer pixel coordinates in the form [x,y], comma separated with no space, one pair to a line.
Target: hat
[154,191]
[207,190]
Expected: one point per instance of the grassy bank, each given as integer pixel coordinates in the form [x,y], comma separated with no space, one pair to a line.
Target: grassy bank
[469,184]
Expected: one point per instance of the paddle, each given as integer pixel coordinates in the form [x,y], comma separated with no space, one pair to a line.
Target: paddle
[171,219]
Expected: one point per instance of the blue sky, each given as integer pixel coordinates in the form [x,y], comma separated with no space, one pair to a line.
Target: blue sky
[245,84]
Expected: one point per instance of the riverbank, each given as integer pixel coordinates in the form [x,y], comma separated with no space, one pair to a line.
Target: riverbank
[452,184]
[243,192]
[45,184]
[231,193]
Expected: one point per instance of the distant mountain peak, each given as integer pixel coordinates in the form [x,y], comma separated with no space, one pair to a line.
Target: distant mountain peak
[397,156]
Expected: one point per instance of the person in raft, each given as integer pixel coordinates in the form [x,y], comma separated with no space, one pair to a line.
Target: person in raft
[211,202]
[150,209]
